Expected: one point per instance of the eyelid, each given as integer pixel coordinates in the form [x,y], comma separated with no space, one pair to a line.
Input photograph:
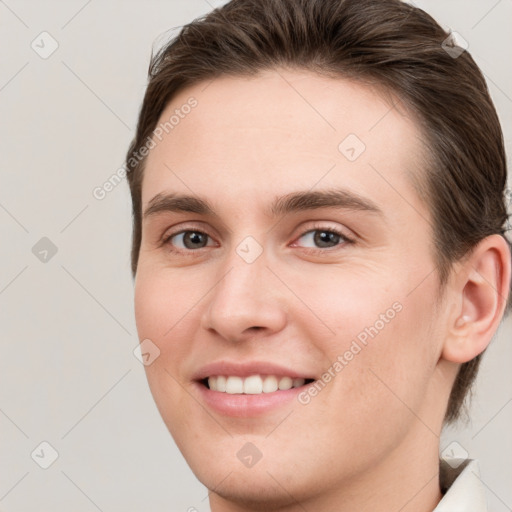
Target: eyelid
[185,226]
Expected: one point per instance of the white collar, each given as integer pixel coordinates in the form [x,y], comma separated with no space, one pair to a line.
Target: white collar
[465,489]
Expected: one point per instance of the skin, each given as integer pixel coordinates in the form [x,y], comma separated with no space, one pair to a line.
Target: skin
[369,440]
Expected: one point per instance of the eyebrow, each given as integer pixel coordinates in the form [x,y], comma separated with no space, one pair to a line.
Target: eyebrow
[292,202]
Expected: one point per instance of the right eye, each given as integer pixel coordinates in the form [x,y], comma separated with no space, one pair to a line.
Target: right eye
[187,240]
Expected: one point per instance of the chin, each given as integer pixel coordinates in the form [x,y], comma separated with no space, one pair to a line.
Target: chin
[272,483]
[254,489]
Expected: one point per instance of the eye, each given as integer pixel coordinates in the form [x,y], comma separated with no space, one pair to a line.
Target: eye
[323,238]
[315,240]
[187,240]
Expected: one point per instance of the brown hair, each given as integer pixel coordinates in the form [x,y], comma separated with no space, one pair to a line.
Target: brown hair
[384,42]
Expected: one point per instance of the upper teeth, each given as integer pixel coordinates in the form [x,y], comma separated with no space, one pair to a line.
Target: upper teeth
[253,385]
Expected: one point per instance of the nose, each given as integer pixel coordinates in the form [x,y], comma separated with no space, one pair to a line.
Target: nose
[245,302]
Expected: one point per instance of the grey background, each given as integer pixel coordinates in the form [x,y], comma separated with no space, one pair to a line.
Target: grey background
[67,369]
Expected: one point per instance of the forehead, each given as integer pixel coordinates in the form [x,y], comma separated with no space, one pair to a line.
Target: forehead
[249,138]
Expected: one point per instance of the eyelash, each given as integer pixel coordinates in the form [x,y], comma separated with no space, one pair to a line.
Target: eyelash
[345,240]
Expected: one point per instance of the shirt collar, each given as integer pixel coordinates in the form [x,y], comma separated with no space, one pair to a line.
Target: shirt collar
[465,491]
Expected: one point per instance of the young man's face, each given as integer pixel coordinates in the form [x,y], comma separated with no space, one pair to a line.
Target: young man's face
[343,294]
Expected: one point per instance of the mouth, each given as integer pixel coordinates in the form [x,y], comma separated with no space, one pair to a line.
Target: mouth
[256,384]
[246,389]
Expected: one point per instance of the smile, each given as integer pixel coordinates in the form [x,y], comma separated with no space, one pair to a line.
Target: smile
[253,384]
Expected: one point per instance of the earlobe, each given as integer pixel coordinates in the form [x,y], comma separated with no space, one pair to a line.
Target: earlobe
[482,285]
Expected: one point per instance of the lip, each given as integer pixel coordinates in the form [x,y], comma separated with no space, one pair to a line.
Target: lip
[246,406]
[248,368]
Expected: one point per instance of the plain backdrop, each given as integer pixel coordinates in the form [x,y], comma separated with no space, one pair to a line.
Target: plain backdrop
[68,374]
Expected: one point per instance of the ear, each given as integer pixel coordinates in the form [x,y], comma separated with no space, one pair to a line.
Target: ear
[480,289]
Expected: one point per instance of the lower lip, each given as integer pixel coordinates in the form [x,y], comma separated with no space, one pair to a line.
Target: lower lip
[243,406]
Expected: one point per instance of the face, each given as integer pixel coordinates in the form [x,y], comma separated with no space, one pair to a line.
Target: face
[302,257]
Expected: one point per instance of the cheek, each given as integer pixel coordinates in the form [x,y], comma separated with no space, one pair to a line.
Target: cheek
[165,313]
[398,362]
[378,344]
[149,302]
[342,306]
[163,303]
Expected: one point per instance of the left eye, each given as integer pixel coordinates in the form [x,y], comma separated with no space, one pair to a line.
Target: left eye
[323,238]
